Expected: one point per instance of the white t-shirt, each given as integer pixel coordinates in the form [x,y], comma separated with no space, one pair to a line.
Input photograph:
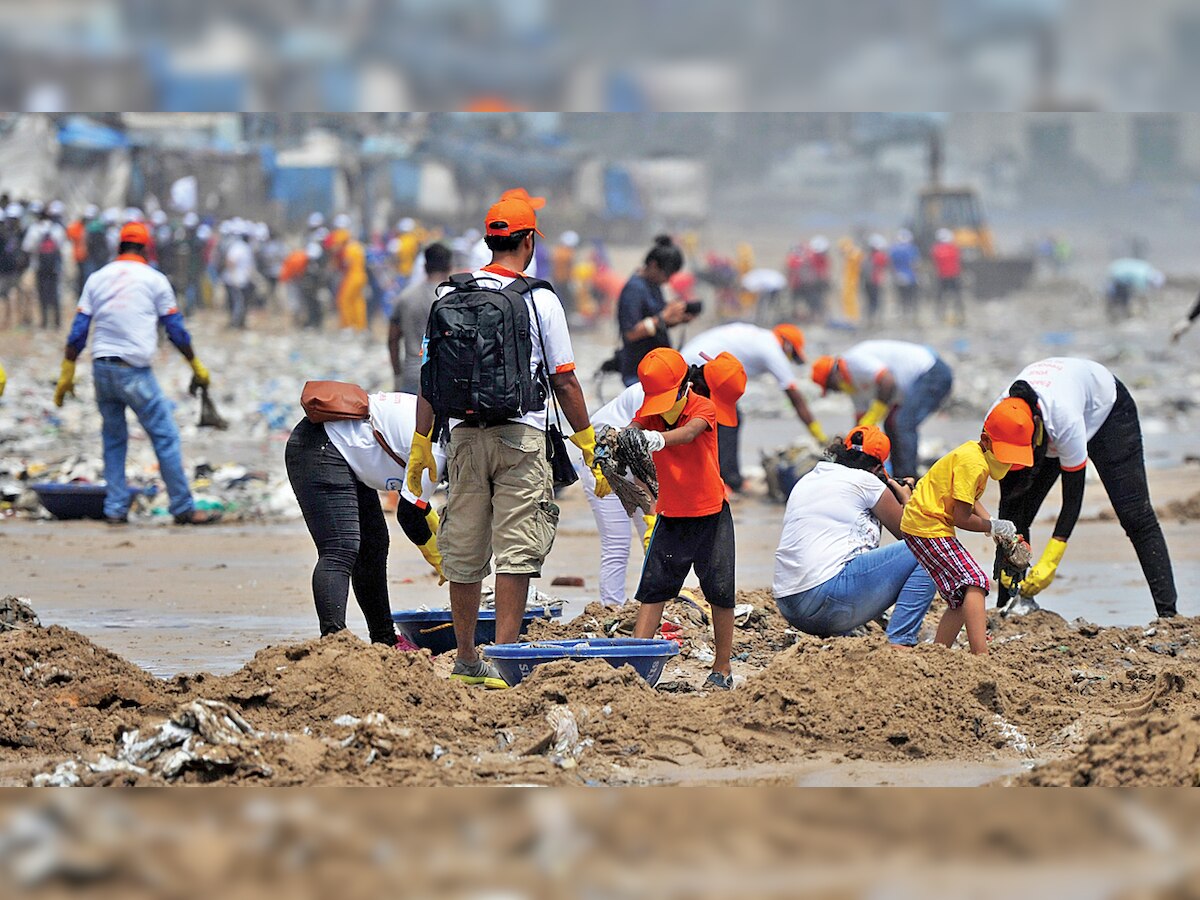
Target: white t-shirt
[395,417]
[870,359]
[125,300]
[757,349]
[1075,396]
[828,522]
[34,235]
[239,263]
[620,411]
[547,323]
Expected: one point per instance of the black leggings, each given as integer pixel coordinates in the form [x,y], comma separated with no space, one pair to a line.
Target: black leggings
[1116,452]
[346,522]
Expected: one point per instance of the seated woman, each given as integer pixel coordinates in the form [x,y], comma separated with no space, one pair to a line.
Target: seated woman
[831,575]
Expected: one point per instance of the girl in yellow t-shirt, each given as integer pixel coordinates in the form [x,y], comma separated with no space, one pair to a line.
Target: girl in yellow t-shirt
[948,498]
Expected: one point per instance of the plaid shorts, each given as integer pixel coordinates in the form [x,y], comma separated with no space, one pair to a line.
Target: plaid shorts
[950,566]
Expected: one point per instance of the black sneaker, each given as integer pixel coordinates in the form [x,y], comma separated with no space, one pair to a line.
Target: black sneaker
[116,520]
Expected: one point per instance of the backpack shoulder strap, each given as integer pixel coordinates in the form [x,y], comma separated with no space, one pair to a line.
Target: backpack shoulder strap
[459,280]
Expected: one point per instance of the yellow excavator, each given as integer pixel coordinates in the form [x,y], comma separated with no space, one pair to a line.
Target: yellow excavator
[959,210]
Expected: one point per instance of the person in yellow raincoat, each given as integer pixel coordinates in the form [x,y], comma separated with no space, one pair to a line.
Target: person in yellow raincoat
[852,259]
[351,295]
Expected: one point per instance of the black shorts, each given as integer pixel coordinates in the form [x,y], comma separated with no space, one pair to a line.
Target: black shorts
[680,544]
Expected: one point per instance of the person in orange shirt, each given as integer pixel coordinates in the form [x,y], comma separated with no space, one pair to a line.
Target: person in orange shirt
[351,295]
[562,268]
[694,526]
[77,233]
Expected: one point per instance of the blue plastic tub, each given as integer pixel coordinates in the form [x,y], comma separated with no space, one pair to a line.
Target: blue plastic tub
[76,500]
[433,629]
[648,656]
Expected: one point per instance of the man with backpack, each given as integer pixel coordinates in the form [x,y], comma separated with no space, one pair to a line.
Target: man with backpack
[44,242]
[496,349]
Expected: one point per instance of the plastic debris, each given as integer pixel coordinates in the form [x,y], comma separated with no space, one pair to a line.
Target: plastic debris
[16,613]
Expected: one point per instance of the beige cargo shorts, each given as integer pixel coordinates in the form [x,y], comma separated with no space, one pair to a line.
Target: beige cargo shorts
[501,502]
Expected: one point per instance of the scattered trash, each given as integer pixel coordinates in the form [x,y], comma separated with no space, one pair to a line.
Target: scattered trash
[701,652]
[16,612]
[567,581]
[629,468]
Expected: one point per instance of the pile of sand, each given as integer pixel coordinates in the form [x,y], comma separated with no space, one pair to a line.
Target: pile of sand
[1102,705]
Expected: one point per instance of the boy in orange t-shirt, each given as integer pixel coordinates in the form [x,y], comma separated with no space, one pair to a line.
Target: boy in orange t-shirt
[694,526]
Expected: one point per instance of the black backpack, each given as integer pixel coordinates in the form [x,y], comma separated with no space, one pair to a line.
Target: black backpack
[478,349]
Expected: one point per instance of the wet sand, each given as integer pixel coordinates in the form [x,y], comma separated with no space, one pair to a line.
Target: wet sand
[177,599]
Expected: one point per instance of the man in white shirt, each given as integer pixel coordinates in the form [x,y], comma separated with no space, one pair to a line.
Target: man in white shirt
[501,498]
[894,384]
[760,352]
[236,274]
[44,243]
[126,301]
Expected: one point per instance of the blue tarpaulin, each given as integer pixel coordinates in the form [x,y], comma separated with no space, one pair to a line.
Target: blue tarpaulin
[406,181]
[87,134]
[303,189]
[621,200]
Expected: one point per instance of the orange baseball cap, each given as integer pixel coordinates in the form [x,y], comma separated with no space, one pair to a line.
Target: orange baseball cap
[726,380]
[522,194]
[661,372]
[1010,426]
[871,440]
[823,367]
[134,233]
[510,216]
[790,334]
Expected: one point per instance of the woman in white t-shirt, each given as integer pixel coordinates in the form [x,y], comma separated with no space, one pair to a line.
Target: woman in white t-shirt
[1082,412]
[337,470]
[831,575]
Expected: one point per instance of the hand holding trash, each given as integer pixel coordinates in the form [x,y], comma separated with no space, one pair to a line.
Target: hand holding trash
[654,440]
[200,376]
[66,382]
[585,440]
[1043,573]
[1004,530]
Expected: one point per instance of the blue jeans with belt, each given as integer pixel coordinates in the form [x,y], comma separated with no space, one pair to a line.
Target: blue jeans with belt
[921,401]
[871,583]
[119,386]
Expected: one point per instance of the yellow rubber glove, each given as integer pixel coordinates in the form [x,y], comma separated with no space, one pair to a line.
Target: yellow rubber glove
[875,413]
[3,381]
[199,372]
[420,461]
[818,433]
[586,441]
[1043,573]
[66,382]
[650,521]
[430,550]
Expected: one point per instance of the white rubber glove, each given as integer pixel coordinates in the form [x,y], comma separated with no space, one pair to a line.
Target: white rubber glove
[1004,530]
[654,441]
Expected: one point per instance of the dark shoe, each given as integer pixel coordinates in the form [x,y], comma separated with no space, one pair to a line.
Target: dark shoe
[719,681]
[117,520]
[199,517]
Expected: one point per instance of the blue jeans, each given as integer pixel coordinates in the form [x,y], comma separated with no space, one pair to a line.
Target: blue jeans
[870,584]
[119,386]
[919,404]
